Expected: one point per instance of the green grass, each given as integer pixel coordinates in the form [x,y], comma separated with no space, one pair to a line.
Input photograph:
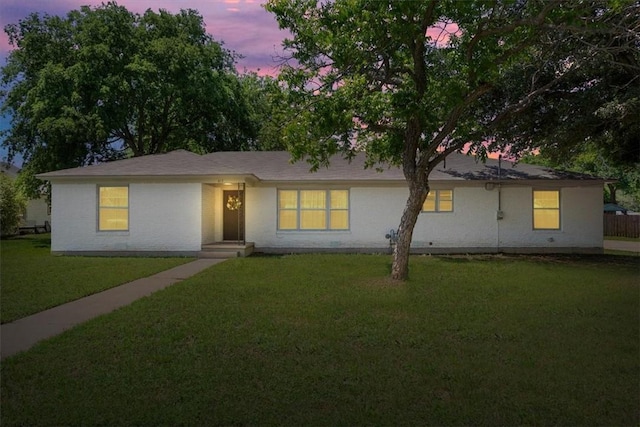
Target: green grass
[32,280]
[329,340]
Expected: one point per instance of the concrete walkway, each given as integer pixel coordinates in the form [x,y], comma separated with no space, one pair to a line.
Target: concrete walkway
[622,245]
[22,334]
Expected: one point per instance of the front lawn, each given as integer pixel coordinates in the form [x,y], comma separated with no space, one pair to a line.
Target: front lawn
[329,340]
[32,280]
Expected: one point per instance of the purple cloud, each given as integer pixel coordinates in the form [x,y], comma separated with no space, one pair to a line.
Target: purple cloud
[243,25]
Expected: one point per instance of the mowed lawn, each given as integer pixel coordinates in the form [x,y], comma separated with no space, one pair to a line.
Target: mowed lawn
[32,280]
[329,340]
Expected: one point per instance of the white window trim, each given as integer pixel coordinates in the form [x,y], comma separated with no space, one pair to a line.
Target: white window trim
[327,209]
[437,202]
[98,187]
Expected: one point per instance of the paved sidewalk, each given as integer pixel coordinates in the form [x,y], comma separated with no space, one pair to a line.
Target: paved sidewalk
[622,245]
[22,334]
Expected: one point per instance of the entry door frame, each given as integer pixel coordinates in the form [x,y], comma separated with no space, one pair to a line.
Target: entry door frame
[233,220]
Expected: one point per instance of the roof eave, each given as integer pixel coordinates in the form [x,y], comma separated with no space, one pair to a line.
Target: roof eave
[208,178]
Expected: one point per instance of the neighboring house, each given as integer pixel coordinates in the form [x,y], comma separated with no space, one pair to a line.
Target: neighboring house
[37,211]
[9,170]
[180,203]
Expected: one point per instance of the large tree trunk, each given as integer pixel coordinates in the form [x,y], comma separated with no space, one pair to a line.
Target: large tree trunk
[417,194]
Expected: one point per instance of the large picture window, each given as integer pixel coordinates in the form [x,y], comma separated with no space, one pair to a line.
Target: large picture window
[113,208]
[438,201]
[546,209]
[313,209]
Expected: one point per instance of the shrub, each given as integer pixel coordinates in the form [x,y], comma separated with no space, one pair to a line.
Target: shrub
[12,206]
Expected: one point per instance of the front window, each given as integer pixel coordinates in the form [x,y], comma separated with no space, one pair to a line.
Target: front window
[438,201]
[546,210]
[313,209]
[113,208]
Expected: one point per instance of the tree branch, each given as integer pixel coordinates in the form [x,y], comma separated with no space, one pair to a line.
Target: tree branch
[451,122]
[524,102]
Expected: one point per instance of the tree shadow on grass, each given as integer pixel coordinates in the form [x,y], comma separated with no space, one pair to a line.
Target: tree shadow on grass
[577,259]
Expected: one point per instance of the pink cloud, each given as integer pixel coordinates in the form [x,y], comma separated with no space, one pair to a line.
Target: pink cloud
[441,32]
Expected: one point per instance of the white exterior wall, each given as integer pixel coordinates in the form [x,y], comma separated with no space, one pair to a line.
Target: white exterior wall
[208,213]
[260,219]
[180,217]
[162,218]
[472,225]
[366,230]
[217,221]
[581,223]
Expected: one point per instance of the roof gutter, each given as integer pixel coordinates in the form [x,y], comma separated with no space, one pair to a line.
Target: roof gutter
[209,179]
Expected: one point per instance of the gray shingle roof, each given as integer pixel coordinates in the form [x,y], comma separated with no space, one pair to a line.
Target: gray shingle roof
[175,163]
[277,166]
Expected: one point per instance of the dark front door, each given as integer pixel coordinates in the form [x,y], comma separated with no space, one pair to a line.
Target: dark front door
[233,215]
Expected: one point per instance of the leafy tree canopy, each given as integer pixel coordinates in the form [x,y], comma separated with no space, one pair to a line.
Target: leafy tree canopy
[410,82]
[103,83]
[624,185]
[268,109]
[594,108]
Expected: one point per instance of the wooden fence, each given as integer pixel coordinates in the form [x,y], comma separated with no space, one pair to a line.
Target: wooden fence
[622,225]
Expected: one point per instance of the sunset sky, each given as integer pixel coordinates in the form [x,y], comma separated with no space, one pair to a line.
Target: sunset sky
[243,25]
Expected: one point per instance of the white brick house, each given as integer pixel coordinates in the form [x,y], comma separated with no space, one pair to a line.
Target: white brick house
[180,202]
